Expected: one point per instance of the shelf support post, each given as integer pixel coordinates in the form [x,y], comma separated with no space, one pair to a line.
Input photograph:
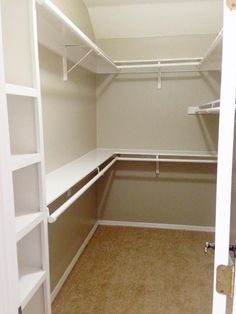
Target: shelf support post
[65,66]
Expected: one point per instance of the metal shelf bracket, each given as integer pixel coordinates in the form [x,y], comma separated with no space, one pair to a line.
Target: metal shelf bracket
[66,71]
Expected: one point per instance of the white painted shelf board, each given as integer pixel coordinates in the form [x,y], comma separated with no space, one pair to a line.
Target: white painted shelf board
[30,281]
[24,160]
[27,222]
[19,90]
[62,179]
[55,31]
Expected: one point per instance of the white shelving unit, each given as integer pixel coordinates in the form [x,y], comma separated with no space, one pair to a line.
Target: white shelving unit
[26,156]
[61,35]
[62,179]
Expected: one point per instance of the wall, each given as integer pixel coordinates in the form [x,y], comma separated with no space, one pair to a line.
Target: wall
[133,113]
[69,121]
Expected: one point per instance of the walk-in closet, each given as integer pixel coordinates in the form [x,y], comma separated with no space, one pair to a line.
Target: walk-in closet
[117,163]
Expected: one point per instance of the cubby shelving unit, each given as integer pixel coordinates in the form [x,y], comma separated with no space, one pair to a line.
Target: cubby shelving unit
[26,157]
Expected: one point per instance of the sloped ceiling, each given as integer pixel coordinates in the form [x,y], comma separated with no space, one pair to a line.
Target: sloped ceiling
[140,18]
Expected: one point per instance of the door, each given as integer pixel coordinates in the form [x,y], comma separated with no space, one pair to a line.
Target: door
[225,153]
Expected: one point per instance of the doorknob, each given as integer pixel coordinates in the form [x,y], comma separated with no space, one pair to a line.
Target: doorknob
[209,245]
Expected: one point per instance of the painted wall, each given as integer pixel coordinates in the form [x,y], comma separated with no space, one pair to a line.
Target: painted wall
[69,121]
[133,113]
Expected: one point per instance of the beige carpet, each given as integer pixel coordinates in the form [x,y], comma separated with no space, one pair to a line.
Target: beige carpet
[140,271]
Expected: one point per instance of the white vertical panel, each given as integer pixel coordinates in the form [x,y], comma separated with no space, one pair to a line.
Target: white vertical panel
[225,151]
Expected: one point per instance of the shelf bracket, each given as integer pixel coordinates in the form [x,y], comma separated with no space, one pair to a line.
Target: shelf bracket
[159,77]
[157,166]
[66,71]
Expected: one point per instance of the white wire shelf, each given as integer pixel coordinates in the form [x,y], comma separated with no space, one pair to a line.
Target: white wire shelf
[19,90]
[27,222]
[24,160]
[30,279]
[207,108]
[58,33]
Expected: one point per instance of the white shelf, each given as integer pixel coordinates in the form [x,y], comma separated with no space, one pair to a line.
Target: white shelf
[62,179]
[27,222]
[30,281]
[56,31]
[19,90]
[207,108]
[24,160]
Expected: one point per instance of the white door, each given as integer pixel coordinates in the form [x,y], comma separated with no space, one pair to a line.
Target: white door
[225,153]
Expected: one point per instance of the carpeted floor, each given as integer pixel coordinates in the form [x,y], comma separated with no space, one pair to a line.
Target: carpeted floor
[140,271]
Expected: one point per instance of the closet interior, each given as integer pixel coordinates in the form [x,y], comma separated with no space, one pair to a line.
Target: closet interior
[106,130]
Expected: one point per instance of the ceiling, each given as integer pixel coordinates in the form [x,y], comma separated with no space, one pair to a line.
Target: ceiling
[140,18]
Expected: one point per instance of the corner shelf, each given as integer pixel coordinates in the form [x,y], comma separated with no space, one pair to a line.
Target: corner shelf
[20,161]
[59,34]
[27,222]
[19,90]
[30,281]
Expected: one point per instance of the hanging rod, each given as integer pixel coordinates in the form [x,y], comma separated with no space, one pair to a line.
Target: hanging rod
[175,160]
[52,218]
[142,66]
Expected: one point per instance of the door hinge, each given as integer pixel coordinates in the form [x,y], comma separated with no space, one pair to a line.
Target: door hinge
[225,280]
[231,4]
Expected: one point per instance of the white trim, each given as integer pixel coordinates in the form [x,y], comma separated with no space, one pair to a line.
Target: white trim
[73,262]
[155,225]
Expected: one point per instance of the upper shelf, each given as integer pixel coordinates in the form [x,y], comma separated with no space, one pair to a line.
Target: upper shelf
[58,33]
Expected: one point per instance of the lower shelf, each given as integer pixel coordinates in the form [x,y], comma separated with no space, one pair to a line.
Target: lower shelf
[27,222]
[30,281]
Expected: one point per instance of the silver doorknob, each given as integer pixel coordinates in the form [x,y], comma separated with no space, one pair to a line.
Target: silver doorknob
[209,245]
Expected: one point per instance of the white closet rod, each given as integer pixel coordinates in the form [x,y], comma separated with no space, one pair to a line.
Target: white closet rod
[120,62]
[52,218]
[157,66]
[178,160]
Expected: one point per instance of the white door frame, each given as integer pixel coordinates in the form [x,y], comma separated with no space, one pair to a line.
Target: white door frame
[225,152]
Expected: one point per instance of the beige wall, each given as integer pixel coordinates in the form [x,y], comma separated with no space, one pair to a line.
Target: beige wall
[69,111]
[133,113]
[69,121]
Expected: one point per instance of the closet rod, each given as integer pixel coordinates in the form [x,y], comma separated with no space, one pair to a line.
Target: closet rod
[52,218]
[201,161]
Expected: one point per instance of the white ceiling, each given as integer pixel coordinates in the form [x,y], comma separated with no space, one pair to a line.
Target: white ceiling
[140,18]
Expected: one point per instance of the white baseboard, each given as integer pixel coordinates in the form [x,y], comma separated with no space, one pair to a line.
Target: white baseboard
[155,225]
[73,262]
